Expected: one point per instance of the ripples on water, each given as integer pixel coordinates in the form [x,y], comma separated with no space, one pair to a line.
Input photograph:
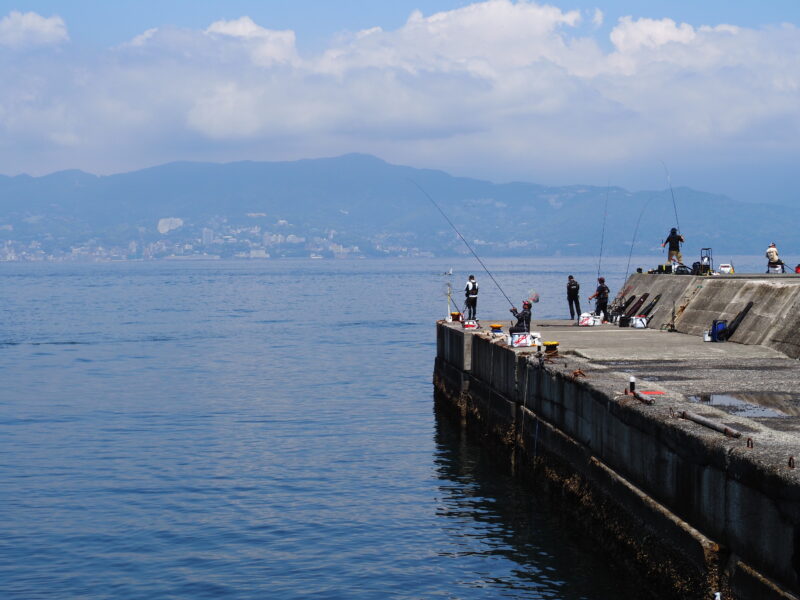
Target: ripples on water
[264,429]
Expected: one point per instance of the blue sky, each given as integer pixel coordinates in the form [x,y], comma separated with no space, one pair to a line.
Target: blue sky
[557,93]
[108,22]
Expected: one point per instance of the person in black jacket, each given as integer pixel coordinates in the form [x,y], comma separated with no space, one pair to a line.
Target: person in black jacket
[471,293]
[601,294]
[573,299]
[674,239]
[523,318]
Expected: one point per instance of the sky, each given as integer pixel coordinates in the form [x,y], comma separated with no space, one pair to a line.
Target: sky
[560,93]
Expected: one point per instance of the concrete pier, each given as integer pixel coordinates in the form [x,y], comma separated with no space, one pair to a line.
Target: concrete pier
[692,509]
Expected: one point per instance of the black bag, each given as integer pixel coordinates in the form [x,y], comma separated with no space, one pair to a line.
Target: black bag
[683,270]
[696,268]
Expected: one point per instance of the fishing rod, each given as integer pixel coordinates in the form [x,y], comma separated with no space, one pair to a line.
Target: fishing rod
[466,243]
[449,295]
[674,205]
[635,233]
[603,234]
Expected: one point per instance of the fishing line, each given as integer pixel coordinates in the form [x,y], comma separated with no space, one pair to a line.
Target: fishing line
[674,205]
[428,196]
[447,292]
[603,234]
[635,233]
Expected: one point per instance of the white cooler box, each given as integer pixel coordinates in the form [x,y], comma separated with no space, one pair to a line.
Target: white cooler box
[589,320]
[525,339]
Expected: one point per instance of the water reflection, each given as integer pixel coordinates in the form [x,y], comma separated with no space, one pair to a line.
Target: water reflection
[491,515]
[252,430]
[753,404]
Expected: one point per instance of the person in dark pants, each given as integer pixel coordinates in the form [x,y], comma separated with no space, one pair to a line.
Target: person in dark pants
[471,293]
[523,318]
[601,294]
[573,298]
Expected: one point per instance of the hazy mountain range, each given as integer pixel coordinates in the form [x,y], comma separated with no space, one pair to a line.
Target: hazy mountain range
[358,205]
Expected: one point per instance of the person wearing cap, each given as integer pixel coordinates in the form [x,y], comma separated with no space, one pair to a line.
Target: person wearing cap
[523,318]
[471,294]
[674,239]
[573,297]
[773,260]
[601,294]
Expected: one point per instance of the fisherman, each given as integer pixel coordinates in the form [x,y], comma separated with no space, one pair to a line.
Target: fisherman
[471,294]
[602,292]
[674,239]
[573,298]
[773,260]
[523,318]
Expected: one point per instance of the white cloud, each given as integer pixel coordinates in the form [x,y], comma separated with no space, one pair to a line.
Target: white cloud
[243,27]
[228,111]
[268,46]
[499,87]
[19,30]
[144,37]
[597,18]
[629,35]
[486,37]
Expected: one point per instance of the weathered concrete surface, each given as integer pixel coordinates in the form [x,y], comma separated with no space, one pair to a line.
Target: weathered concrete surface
[609,342]
[675,292]
[773,320]
[454,348]
[695,510]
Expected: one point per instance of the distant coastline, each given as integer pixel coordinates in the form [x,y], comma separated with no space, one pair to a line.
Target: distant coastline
[356,206]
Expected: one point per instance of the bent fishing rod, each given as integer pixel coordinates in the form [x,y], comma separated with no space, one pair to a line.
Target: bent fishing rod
[466,243]
[674,205]
[635,232]
[603,234]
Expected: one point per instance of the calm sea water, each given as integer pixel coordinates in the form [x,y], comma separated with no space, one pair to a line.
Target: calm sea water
[260,429]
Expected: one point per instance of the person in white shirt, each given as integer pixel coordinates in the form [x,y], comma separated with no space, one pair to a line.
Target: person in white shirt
[773,260]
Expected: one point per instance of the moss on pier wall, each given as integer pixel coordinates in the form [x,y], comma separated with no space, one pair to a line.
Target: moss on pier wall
[591,501]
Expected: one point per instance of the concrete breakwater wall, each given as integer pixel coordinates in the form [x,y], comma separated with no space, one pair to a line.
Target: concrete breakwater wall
[692,510]
[773,320]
